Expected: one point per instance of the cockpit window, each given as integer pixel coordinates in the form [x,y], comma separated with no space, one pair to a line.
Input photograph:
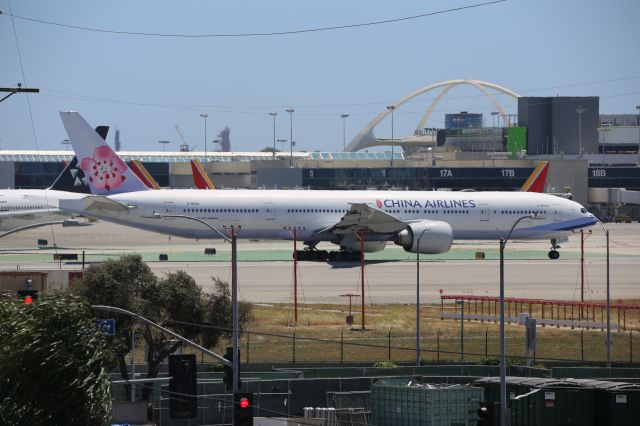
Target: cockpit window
[583,210]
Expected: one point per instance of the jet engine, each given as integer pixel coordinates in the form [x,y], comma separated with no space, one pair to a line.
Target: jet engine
[435,237]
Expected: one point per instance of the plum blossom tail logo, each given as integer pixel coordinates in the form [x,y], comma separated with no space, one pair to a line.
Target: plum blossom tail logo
[105,169]
[379,203]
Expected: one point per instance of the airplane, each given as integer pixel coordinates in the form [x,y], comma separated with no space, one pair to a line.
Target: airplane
[143,174]
[24,208]
[537,179]
[31,208]
[200,177]
[419,221]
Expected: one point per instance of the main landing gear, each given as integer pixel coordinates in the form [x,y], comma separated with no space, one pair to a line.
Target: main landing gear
[331,256]
[553,253]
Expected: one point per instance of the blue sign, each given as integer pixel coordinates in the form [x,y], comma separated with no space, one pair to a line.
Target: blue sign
[106,326]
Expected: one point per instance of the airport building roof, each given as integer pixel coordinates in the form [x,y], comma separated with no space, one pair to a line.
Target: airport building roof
[180,157]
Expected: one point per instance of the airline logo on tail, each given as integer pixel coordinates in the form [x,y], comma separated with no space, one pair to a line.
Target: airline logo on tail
[538,178]
[106,173]
[200,178]
[104,169]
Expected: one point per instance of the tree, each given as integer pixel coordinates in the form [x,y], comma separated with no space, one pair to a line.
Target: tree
[217,311]
[269,149]
[127,283]
[174,301]
[53,363]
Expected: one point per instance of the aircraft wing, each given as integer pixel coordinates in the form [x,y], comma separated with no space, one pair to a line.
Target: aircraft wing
[363,217]
[95,204]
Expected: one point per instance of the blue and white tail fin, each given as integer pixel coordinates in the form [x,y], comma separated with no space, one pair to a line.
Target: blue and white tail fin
[105,171]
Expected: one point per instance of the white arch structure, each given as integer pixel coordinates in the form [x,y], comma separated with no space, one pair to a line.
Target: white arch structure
[366,138]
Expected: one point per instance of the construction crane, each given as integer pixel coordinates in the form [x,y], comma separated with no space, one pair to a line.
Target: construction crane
[184,147]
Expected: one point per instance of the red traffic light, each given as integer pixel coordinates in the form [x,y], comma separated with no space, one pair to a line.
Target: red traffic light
[244,403]
[28,299]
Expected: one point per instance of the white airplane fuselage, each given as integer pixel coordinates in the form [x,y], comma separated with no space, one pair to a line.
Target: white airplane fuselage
[272,214]
[24,207]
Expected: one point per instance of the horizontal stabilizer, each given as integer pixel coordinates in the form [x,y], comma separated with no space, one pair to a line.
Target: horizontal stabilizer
[94,204]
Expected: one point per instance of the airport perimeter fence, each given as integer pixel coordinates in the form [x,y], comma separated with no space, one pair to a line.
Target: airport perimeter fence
[479,345]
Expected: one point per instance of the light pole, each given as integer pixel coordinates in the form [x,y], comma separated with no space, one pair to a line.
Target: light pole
[273,114]
[205,116]
[282,141]
[638,108]
[392,108]
[344,133]
[608,342]
[164,144]
[66,143]
[418,300]
[461,303]
[290,111]
[503,367]
[580,110]
[493,114]
[234,289]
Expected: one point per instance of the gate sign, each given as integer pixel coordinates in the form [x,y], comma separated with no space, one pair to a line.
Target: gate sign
[530,326]
[106,326]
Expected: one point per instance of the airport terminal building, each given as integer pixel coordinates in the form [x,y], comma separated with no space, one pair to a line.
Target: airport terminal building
[593,157]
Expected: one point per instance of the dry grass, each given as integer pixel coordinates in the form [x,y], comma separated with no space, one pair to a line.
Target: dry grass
[322,335]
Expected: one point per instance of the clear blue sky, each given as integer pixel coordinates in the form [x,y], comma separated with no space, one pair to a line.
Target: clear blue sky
[536,48]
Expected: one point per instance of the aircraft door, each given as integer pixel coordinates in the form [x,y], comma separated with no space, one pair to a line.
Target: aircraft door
[169,207]
[484,212]
[270,211]
[557,212]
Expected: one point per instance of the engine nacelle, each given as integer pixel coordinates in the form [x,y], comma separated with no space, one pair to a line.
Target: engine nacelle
[435,237]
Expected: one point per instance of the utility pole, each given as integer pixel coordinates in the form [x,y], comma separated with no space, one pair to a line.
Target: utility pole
[13,90]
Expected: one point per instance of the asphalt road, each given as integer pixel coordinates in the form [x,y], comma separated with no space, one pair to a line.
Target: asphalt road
[265,275]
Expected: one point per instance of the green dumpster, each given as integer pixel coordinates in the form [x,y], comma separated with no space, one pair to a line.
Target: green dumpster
[409,402]
[542,402]
[616,403]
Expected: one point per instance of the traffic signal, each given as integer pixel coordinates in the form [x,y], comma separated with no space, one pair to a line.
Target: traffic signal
[28,296]
[228,371]
[242,409]
[486,414]
[183,391]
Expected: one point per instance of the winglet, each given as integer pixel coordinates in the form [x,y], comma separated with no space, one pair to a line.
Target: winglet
[200,178]
[538,179]
[143,174]
[106,173]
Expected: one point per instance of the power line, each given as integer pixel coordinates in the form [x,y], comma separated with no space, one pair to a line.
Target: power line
[220,110]
[234,109]
[267,34]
